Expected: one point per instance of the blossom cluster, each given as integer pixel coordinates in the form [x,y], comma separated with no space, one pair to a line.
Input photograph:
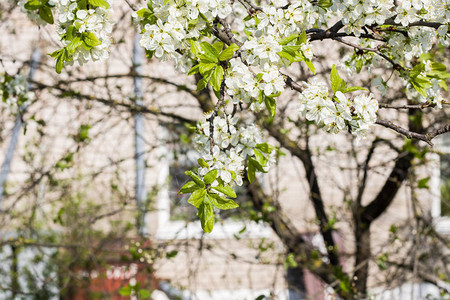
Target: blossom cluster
[340,112]
[232,145]
[84,29]
[276,20]
[176,22]
[433,94]
[14,92]
[32,15]
[77,21]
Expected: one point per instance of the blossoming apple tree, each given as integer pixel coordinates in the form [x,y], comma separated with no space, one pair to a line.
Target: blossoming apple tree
[242,49]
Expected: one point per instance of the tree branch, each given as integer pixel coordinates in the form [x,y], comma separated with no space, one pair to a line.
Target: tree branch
[410,134]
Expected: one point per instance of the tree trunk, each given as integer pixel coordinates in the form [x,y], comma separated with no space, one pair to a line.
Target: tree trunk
[362,255]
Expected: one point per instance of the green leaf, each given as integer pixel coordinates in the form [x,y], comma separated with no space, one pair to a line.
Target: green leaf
[225,190]
[210,49]
[145,294]
[125,291]
[324,4]
[354,88]
[100,3]
[228,52]
[217,77]
[195,48]
[335,79]
[172,254]
[251,173]
[82,4]
[189,187]
[256,164]
[271,105]
[195,177]
[90,39]
[56,53]
[359,64]
[290,261]
[288,39]
[144,12]
[205,67]
[206,215]
[32,4]
[423,183]
[310,65]
[210,177]
[302,38]
[287,56]
[260,157]
[197,197]
[210,53]
[46,14]
[291,49]
[193,70]
[74,44]
[264,147]
[69,33]
[222,203]
[202,163]
[59,63]
[201,84]
[218,46]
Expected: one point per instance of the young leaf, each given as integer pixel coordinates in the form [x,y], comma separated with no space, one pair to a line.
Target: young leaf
[74,44]
[291,49]
[218,46]
[264,147]
[209,49]
[46,14]
[217,77]
[336,80]
[423,183]
[201,84]
[90,39]
[197,197]
[288,39]
[310,65]
[206,215]
[354,88]
[189,187]
[260,157]
[196,179]
[202,163]
[256,164]
[228,52]
[100,3]
[205,67]
[32,5]
[287,56]
[210,54]
[271,105]
[59,63]
[302,38]
[193,70]
[210,177]
[195,48]
[225,190]
[251,173]
[222,203]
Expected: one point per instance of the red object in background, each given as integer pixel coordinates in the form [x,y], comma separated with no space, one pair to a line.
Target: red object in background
[105,282]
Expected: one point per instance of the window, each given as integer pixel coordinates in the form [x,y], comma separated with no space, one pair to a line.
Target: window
[176,217]
[440,209]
